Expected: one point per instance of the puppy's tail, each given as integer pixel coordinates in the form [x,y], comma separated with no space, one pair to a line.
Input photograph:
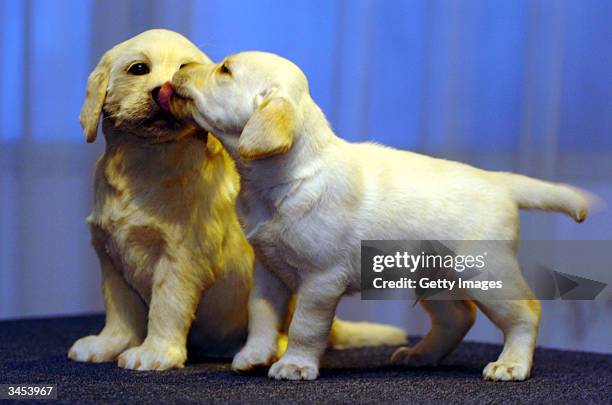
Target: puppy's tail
[347,335]
[530,193]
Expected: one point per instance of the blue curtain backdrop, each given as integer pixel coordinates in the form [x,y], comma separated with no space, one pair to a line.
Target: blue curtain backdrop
[523,85]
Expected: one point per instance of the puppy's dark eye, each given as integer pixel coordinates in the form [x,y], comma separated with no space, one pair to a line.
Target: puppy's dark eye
[138,69]
[224,69]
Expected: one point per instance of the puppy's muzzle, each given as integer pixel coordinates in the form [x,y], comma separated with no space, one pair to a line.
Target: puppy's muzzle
[174,103]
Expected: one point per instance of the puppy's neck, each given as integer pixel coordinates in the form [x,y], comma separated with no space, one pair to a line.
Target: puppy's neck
[274,177]
[140,157]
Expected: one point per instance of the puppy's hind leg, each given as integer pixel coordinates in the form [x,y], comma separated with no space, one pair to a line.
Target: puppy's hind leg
[126,316]
[517,314]
[450,321]
[518,320]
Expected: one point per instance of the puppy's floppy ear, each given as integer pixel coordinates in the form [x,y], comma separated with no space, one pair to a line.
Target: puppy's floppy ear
[94,98]
[271,129]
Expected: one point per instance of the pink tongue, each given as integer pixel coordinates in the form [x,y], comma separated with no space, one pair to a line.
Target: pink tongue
[164,95]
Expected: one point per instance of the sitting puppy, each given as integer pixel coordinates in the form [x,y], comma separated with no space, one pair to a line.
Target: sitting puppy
[312,197]
[164,225]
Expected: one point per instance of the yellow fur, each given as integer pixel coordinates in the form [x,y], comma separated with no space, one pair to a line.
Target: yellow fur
[270,130]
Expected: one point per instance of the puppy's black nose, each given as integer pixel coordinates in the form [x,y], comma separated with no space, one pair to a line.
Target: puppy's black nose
[155,94]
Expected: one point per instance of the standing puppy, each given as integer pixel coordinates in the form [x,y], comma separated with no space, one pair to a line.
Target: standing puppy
[311,198]
[163,225]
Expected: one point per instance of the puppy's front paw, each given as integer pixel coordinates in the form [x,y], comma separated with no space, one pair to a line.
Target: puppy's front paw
[410,357]
[506,371]
[150,356]
[294,368]
[98,348]
[250,358]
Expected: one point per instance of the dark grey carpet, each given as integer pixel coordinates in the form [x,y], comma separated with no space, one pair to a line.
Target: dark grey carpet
[34,351]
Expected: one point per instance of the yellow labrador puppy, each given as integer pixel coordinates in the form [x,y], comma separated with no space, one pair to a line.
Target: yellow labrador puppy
[164,226]
[312,197]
